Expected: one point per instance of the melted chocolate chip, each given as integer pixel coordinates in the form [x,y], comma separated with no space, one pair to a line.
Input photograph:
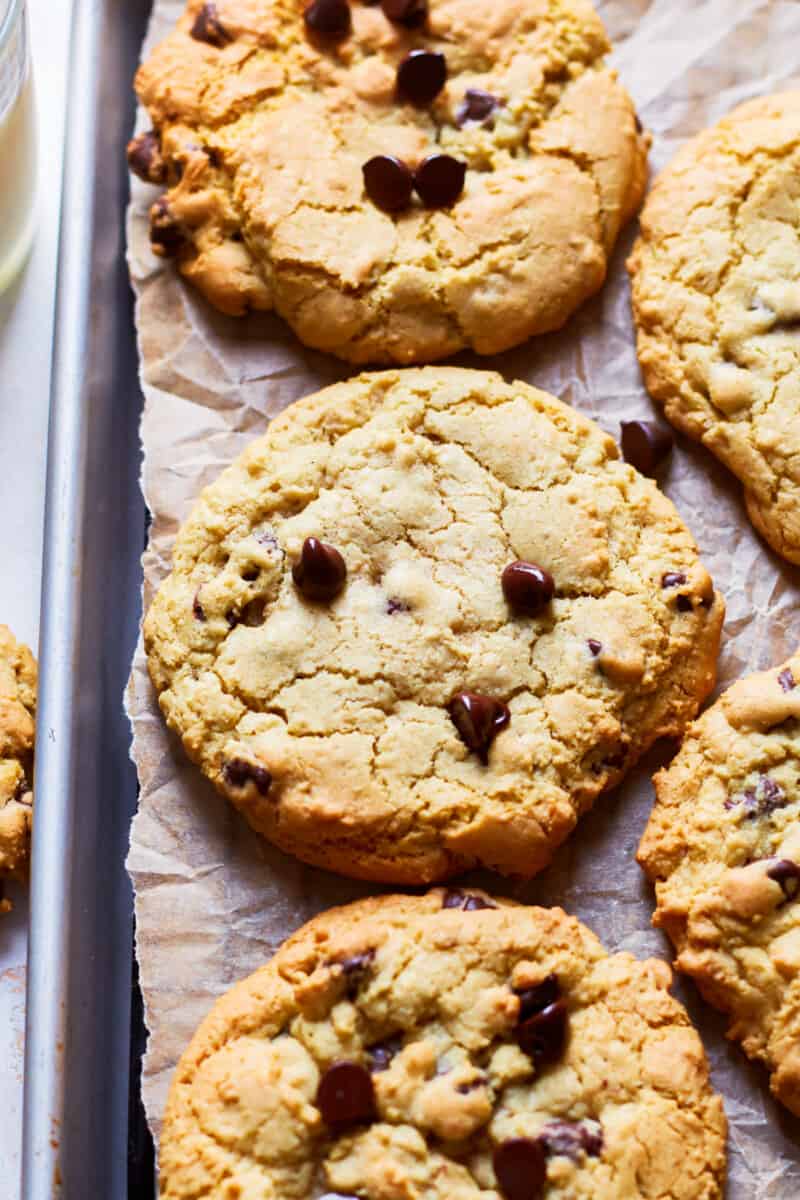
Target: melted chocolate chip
[466,901]
[594,646]
[238,772]
[166,232]
[144,158]
[787,874]
[346,1096]
[683,603]
[645,444]
[439,180]
[544,1035]
[520,1167]
[320,572]
[541,995]
[671,579]
[421,76]
[477,108]
[197,609]
[527,587]
[329,19]
[393,605]
[478,720]
[571,1139]
[410,13]
[787,680]
[761,800]
[382,1053]
[208,27]
[355,969]
[388,183]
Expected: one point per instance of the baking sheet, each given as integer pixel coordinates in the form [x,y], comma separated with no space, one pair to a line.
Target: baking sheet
[213,901]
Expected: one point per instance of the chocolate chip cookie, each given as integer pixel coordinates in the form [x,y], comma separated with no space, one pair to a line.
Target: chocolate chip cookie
[723,848]
[424,621]
[398,181]
[716,297]
[450,1046]
[17,725]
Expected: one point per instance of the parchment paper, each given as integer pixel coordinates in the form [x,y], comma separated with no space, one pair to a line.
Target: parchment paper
[212,900]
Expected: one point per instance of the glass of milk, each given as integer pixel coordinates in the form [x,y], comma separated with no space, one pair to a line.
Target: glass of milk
[17,141]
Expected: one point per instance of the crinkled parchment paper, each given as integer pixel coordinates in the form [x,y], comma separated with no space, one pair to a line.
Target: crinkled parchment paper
[213,902]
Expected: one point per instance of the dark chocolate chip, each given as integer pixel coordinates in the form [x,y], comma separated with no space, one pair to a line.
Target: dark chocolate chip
[571,1139]
[421,76]
[645,444]
[439,180]
[382,1053]
[346,1095]
[760,800]
[320,572]
[477,108]
[144,157]
[671,579]
[594,646]
[197,609]
[466,901]
[388,182]
[787,680]
[683,603]
[527,587]
[355,969]
[328,18]
[543,1035]
[786,873]
[520,1167]
[208,27]
[410,13]
[534,999]
[478,720]
[393,605]
[238,772]
[166,232]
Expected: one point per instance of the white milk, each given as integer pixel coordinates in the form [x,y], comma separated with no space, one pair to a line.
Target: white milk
[17,152]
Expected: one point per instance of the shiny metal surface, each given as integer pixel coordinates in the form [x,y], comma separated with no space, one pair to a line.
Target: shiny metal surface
[77,1036]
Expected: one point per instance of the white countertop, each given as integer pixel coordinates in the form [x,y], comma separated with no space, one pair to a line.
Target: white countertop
[26,326]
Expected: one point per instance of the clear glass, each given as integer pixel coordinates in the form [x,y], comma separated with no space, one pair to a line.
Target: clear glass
[17,141]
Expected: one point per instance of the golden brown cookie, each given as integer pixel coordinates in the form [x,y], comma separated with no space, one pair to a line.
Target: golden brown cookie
[449,1046]
[716,297]
[17,727]
[503,160]
[424,621]
[723,848]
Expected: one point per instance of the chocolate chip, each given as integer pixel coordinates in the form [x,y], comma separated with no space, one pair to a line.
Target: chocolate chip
[439,180]
[787,680]
[355,969]
[541,995]
[166,232]
[208,28]
[421,76]
[466,901]
[477,108]
[478,720]
[594,646]
[197,608]
[238,772]
[410,13]
[761,800]
[144,157]
[786,873]
[671,579]
[520,1167]
[544,1035]
[382,1053]
[328,18]
[394,605]
[571,1139]
[645,444]
[320,572]
[346,1096]
[527,587]
[388,182]
[683,603]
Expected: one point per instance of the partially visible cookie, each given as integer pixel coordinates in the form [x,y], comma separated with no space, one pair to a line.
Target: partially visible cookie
[723,849]
[716,298]
[17,726]
[398,181]
[452,1047]
[424,621]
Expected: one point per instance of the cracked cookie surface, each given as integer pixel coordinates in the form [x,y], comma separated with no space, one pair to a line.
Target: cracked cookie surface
[17,727]
[716,298]
[347,729]
[261,134]
[723,849]
[427,1000]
